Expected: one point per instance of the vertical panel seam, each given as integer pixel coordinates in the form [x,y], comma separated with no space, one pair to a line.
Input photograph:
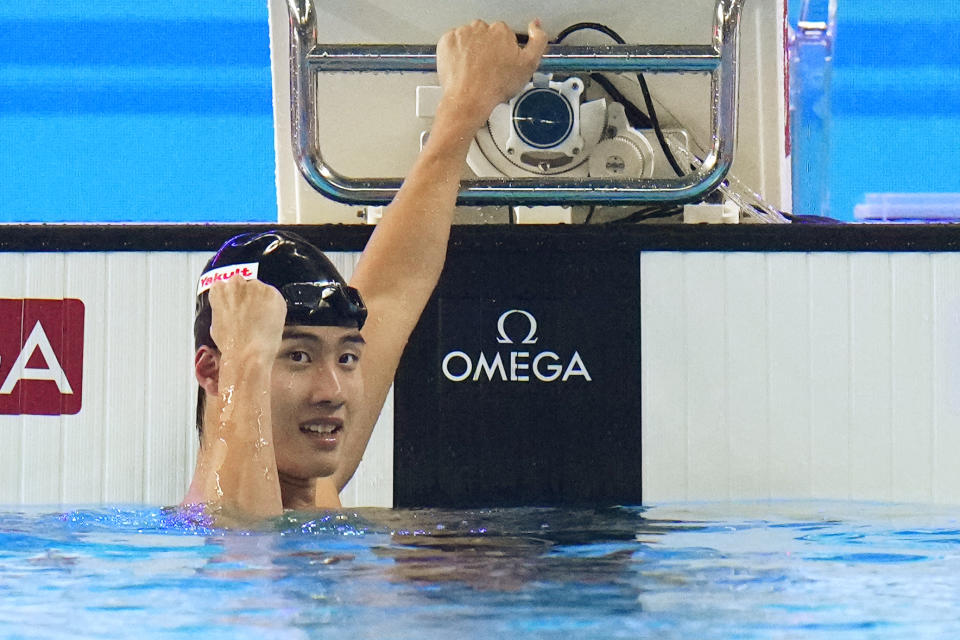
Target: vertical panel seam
[768,399]
[149,422]
[810,400]
[23,418]
[726,369]
[108,354]
[935,386]
[891,383]
[62,419]
[684,286]
[851,372]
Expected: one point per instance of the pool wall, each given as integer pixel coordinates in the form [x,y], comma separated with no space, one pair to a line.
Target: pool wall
[711,363]
[131,439]
[801,375]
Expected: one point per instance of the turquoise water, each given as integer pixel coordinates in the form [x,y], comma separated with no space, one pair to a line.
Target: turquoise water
[770,570]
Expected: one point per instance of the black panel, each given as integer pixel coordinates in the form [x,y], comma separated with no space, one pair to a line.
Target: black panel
[166,237]
[655,237]
[495,439]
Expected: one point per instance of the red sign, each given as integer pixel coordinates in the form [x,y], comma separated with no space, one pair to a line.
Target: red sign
[41,356]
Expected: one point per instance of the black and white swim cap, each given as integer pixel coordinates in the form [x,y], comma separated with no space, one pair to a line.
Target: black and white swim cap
[315,292]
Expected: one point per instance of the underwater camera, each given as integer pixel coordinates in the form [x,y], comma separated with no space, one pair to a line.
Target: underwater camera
[569,127]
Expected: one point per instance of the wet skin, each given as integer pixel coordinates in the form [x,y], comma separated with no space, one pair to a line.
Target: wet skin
[297,409]
[316,387]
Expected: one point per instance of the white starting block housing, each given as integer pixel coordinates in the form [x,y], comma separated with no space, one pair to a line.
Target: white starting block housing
[370,125]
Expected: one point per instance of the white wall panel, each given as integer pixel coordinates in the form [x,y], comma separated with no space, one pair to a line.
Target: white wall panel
[787,364]
[170,443]
[871,369]
[830,332]
[84,436]
[664,385]
[708,448]
[945,390]
[912,348]
[134,439]
[747,386]
[125,358]
[841,371]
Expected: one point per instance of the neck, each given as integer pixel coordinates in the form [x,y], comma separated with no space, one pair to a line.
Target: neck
[298,493]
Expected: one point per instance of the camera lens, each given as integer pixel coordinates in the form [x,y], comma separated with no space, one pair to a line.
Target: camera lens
[542,118]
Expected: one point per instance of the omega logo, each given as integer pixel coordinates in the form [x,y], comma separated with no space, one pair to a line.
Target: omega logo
[514,366]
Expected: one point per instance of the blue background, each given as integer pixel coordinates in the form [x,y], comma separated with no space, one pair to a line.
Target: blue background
[162,111]
[896,100]
[135,111]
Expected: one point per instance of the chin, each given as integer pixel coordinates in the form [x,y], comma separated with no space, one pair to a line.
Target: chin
[311,469]
[324,468]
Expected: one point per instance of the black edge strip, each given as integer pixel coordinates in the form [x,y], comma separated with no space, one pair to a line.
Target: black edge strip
[661,237]
[162,237]
[752,237]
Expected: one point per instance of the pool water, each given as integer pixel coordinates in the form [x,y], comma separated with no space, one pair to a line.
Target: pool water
[743,570]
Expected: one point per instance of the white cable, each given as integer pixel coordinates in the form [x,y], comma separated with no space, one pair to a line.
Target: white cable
[750,203]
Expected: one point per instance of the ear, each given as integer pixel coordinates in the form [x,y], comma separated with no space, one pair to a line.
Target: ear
[206,366]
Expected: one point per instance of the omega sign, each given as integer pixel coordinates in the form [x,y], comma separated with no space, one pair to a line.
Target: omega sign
[523,363]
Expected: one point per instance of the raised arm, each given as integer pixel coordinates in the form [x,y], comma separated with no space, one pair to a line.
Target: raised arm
[479,66]
[236,470]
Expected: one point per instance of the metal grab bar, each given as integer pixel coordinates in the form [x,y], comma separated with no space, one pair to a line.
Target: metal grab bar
[719,59]
[561,59]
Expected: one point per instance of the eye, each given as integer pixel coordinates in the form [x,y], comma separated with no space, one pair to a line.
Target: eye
[349,359]
[298,356]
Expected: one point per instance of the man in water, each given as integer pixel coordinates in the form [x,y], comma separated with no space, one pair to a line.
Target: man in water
[293,365]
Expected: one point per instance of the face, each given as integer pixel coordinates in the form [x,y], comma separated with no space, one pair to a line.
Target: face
[316,389]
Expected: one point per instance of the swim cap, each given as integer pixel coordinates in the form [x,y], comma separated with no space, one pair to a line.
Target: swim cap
[315,292]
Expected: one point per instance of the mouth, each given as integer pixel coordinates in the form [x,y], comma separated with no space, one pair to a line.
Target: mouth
[325,432]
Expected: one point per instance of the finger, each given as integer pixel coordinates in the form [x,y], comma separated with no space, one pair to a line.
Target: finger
[446,38]
[536,44]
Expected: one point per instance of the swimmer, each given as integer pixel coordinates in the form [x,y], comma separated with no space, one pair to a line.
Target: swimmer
[293,363]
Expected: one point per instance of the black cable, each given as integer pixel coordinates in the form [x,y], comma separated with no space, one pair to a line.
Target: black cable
[650,212]
[637,118]
[647,98]
[796,218]
[594,26]
[656,126]
[589,215]
[640,120]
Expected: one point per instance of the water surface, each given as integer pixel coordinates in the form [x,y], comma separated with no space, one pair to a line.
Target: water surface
[756,570]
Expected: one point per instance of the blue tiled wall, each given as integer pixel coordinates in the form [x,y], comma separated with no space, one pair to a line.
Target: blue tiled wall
[896,99]
[135,111]
[161,111]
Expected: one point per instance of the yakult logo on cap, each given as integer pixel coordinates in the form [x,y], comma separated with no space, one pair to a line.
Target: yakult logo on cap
[247,271]
[41,356]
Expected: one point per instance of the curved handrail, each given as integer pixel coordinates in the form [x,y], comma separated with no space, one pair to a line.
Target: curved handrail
[719,59]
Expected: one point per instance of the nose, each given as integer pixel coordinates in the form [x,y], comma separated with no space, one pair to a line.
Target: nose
[327,388]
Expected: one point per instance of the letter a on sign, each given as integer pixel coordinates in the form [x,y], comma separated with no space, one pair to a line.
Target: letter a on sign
[41,356]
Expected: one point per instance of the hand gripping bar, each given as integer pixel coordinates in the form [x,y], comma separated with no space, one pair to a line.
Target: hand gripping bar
[718,59]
